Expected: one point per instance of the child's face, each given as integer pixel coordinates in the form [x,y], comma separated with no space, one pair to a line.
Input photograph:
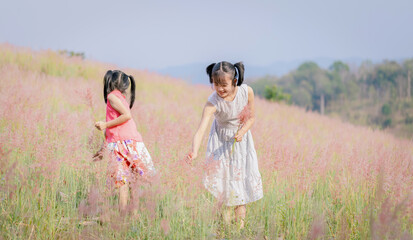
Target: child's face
[224,87]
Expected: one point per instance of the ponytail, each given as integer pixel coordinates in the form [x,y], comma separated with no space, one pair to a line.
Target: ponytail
[106,81]
[132,91]
[240,68]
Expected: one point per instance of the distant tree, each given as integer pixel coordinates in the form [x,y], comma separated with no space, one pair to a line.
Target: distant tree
[408,119]
[302,97]
[339,66]
[72,53]
[385,76]
[387,123]
[365,69]
[408,69]
[386,109]
[409,84]
[363,75]
[352,89]
[259,84]
[400,82]
[300,91]
[323,88]
[306,72]
[276,94]
[307,86]
[321,84]
[339,73]
[287,82]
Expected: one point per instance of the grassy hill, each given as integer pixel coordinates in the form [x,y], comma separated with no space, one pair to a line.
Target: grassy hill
[321,177]
[375,95]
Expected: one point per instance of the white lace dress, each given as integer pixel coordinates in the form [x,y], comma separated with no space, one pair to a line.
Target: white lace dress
[232,176]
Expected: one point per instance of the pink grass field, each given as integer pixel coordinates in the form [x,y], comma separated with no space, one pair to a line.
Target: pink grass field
[322,178]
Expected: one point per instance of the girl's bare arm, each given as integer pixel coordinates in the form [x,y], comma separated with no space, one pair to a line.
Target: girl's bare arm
[208,111]
[124,112]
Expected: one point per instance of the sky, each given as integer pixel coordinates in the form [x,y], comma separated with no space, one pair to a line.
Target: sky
[159,34]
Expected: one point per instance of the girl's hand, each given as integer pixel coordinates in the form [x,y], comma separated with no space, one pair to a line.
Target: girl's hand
[100,125]
[98,155]
[191,156]
[239,135]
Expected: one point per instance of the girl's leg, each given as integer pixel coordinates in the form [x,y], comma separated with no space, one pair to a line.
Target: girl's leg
[240,212]
[123,196]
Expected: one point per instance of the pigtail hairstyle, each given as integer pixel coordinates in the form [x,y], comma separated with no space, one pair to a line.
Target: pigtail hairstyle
[240,68]
[209,71]
[120,81]
[106,82]
[132,91]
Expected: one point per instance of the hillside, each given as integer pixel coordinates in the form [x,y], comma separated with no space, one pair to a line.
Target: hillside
[320,176]
[377,95]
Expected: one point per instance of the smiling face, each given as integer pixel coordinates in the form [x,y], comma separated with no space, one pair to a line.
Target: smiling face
[224,84]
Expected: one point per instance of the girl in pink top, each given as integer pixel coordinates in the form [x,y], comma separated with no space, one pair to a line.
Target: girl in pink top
[129,157]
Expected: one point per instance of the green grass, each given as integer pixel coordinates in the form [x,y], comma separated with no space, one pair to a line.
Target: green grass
[50,188]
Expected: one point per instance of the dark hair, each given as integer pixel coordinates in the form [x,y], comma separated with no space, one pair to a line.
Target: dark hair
[118,80]
[217,71]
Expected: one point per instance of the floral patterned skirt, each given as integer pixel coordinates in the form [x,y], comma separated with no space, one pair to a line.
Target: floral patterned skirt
[128,160]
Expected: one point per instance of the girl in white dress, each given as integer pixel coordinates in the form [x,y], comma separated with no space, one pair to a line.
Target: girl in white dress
[232,174]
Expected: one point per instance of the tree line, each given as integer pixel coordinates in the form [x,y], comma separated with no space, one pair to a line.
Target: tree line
[370,94]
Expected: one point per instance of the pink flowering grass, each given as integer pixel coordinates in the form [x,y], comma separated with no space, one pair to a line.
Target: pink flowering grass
[243,117]
[322,178]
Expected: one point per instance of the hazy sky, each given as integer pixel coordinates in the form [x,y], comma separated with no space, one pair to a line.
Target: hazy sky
[157,34]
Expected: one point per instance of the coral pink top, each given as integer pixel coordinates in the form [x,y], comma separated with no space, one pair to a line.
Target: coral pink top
[124,131]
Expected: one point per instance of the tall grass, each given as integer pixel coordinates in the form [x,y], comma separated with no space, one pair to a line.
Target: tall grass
[322,178]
